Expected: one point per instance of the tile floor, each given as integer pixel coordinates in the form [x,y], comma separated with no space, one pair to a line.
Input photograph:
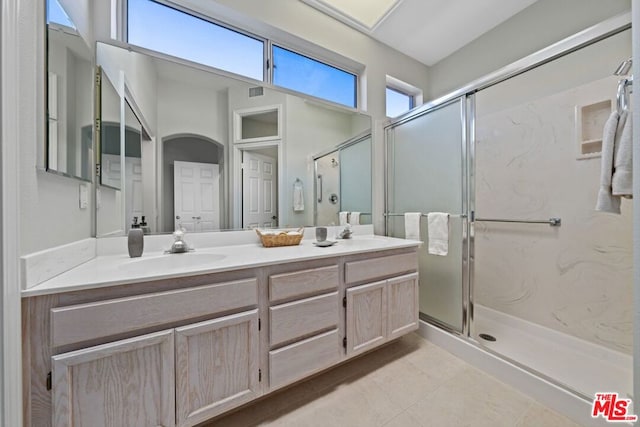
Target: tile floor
[407,383]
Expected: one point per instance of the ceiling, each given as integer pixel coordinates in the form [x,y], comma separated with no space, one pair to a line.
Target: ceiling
[427,30]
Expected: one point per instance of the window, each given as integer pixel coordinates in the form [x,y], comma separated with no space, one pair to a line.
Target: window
[398,102]
[158,27]
[303,74]
[155,25]
[57,15]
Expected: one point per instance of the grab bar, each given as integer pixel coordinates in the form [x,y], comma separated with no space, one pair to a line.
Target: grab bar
[553,222]
[320,188]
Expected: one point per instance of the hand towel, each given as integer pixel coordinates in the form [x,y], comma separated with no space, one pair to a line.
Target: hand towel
[412,225]
[606,202]
[298,196]
[622,181]
[344,217]
[438,229]
[354,218]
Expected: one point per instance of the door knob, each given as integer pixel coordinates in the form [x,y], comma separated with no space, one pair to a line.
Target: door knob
[177,216]
[274,217]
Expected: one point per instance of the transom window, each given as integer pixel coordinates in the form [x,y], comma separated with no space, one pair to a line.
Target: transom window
[294,71]
[157,26]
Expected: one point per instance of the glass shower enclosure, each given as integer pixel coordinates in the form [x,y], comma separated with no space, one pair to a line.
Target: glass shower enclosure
[534,274]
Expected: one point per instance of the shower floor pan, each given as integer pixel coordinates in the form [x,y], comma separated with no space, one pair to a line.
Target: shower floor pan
[581,366]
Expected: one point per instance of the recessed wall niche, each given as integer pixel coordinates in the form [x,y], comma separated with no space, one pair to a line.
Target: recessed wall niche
[590,121]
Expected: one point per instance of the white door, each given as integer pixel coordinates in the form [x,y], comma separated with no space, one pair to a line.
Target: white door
[259,190]
[111,170]
[196,196]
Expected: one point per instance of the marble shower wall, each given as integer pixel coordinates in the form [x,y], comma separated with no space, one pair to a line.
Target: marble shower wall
[576,278]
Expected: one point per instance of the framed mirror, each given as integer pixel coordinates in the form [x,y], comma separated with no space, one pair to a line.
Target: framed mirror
[69,148]
[226,154]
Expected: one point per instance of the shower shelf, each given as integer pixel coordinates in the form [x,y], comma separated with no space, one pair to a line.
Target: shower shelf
[590,120]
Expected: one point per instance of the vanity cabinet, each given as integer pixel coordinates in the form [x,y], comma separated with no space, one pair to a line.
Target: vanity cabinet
[180,352]
[304,320]
[124,383]
[216,366]
[380,310]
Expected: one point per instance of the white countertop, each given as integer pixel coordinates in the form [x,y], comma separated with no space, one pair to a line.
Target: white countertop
[111,270]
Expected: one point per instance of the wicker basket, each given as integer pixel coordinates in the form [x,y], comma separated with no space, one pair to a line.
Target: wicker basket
[280,239]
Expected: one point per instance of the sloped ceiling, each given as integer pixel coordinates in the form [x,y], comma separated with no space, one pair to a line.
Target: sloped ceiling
[427,30]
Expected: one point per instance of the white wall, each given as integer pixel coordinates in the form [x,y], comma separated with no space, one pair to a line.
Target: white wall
[185,109]
[536,27]
[49,205]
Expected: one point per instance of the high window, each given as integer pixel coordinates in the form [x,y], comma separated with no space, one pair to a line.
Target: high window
[154,25]
[158,27]
[294,71]
[398,102]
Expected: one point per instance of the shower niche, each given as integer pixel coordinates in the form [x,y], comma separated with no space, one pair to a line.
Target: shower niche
[590,121]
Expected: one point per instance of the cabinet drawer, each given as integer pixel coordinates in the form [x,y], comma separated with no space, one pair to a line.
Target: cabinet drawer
[302,318]
[303,283]
[303,358]
[101,319]
[381,267]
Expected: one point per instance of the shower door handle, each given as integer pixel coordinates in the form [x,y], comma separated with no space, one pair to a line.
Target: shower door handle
[319,188]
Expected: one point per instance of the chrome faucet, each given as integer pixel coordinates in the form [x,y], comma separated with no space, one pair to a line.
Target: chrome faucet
[179,245]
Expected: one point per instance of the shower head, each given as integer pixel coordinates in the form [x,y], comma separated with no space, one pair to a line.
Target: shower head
[624,68]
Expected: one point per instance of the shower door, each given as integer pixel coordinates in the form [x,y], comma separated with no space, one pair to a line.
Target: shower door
[426,172]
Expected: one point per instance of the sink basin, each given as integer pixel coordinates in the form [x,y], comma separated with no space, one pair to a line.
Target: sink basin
[170,262]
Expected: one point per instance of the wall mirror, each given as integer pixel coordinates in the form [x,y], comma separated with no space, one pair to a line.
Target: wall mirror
[343,182]
[225,154]
[69,148]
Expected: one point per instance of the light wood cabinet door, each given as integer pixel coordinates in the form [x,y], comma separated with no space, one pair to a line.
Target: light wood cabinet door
[216,366]
[124,383]
[402,305]
[366,317]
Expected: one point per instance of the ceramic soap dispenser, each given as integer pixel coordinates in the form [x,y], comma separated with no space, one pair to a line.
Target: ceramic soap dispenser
[135,239]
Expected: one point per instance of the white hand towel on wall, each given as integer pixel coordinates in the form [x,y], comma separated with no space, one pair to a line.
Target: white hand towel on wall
[438,229]
[354,218]
[622,181]
[298,196]
[343,217]
[412,225]
[606,201]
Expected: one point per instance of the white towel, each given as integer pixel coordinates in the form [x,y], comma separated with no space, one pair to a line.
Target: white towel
[412,225]
[438,229]
[354,218]
[298,196]
[622,181]
[606,202]
[343,217]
